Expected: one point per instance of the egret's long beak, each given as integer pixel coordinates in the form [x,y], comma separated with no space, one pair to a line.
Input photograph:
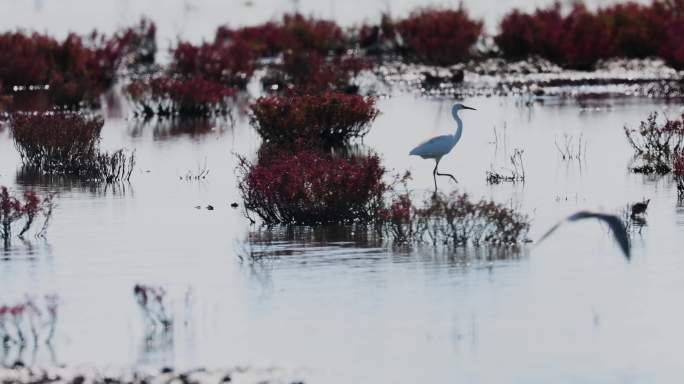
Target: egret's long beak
[464,107]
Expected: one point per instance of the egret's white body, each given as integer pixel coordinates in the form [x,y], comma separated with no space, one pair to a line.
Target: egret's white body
[436,147]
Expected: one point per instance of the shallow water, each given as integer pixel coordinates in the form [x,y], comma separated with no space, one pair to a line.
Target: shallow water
[333,307]
[335,310]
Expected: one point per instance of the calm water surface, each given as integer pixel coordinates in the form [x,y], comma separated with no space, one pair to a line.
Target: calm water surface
[570,310]
[333,310]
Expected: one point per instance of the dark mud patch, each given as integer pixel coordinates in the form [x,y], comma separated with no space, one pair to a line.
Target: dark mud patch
[18,374]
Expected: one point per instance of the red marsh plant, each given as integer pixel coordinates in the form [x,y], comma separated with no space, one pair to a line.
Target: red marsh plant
[576,40]
[656,144]
[67,144]
[455,219]
[308,72]
[379,39]
[294,33]
[134,45]
[167,96]
[224,62]
[678,172]
[128,47]
[441,37]
[672,49]
[323,120]
[638,30]
[580,38]
[24,208]
[310,187]
[75,70]
[38,60]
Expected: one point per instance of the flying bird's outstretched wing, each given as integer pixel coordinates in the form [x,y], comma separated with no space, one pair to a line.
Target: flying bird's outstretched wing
[614,223]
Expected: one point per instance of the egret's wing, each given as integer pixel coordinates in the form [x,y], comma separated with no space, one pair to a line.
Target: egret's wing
[432,146]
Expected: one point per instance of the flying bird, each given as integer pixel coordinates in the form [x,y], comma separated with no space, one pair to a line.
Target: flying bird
[439,146]
[617,227]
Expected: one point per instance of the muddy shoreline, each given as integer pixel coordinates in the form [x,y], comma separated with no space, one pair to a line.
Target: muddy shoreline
[24,375]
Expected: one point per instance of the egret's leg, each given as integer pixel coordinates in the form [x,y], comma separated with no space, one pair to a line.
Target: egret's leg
[443,174]
[434,173]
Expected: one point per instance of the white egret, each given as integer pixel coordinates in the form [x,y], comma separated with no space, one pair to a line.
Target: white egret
[617,227]
[439,146]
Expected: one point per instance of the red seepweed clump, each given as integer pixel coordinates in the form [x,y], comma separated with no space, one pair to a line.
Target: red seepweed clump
[441,37]
[324,120]
[672,48]
[67,144]
[577,40]
[379,39]
[454,219]
[310,187]
[580,38]
[656,143]
[167,96]
[310,72]
[294,33]
[133,45]
[12,210]
[678,172]
[75,70]
[224,62]
[232,56]
[49,141]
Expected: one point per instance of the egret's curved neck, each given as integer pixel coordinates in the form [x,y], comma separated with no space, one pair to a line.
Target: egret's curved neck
[459,128]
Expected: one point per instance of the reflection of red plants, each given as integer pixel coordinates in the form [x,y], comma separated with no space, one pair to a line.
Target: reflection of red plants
[12,210]
[152,301]
[28,317]
[327,119]
[440,37]
[167,96]
[581,38]
[310,187]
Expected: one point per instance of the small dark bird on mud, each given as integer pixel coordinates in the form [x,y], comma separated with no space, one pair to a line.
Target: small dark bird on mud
[640,207]
[234,205]
[210,207]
